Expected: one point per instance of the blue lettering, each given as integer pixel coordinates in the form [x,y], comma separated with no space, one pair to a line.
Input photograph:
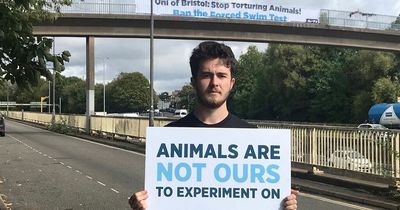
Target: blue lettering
[256,172]
[236,173]
[250,152]
[199,167]
[161,170]
[271,171]
[187,171]
[227,170]
[275,152]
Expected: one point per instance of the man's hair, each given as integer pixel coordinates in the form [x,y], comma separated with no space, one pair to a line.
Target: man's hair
[212,50]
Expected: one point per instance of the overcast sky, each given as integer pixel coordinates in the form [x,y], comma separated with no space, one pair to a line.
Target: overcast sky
[171,65]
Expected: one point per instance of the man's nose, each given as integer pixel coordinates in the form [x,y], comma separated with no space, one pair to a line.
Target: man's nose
[214,80]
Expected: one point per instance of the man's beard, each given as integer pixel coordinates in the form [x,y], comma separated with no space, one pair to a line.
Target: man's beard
[210,102]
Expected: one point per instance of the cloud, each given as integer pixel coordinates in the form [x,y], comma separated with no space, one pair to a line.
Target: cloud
[171,57]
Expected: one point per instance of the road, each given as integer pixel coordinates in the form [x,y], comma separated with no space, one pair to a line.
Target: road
[44,170]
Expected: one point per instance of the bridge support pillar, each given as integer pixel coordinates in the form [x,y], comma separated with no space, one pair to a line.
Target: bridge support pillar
[89,80]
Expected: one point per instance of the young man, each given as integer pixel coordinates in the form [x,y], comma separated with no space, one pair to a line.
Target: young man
[213,66]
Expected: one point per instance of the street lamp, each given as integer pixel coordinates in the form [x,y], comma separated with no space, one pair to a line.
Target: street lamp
[104,84]
[151,114]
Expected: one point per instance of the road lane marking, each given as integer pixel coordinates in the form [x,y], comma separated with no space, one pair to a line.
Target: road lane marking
[70,167]
[81,139]
[333,201]
[116,191]
[101,183]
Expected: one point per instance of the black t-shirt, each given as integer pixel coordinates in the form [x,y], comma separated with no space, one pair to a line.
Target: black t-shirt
[231,121]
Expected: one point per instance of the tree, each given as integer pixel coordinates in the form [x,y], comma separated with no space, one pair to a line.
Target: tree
[243,100]
[186,98]
[73,95]
[385,91]
[164,96]
[129,92]
[23,57]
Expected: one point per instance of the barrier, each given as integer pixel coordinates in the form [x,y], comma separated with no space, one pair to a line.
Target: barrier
[365,154]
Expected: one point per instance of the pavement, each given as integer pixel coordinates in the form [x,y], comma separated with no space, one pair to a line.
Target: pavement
[341,187]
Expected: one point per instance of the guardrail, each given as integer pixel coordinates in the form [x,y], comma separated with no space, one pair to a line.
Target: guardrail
[357,19]
[364,154]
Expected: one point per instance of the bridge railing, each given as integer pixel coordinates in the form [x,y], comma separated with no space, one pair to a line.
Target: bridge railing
[368,154]
[357,19]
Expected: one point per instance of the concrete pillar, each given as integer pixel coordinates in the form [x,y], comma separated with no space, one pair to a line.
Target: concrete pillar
[89,80]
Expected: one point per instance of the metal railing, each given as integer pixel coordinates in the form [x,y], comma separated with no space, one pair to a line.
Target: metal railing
[357,19]
[102,7]
[368,153]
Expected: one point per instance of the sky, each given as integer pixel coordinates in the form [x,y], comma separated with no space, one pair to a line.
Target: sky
[171,57]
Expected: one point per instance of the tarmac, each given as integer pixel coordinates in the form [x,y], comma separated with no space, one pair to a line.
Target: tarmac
[344,188]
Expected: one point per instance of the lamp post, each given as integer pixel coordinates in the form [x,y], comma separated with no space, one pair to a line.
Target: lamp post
[48,104]
[151,114]
[7,97]
[53,116]
[104,86]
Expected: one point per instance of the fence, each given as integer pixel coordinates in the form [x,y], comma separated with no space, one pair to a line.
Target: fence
[357,19]
[367,154]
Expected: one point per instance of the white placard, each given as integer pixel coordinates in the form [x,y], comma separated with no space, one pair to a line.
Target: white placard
[217,168]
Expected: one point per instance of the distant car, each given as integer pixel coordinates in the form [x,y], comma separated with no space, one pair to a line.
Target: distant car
[371,126]
[180,113]
[380,129]
[2,126]
[349,159]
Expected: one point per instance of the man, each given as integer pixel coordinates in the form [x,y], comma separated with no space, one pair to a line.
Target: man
[213,66]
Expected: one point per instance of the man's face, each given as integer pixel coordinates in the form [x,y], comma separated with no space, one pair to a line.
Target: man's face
[213,83]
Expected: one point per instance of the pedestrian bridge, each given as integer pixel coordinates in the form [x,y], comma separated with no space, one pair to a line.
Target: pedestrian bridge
[335,28]
[370,155]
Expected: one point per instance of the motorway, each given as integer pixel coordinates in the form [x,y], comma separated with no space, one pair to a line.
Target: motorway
[44,170]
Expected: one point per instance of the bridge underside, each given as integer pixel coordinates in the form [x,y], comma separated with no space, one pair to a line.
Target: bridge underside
[218,29]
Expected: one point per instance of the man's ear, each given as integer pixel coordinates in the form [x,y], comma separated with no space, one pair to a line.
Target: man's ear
[232,83]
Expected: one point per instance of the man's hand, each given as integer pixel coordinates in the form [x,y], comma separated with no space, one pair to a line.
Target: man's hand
[290,201]
[138,201]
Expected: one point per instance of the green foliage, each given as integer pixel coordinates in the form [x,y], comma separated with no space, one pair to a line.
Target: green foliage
[60,127]
[317,84]
[384,90]
[186,98]
[243,99]
[73,95]
[129,92]
[23,57]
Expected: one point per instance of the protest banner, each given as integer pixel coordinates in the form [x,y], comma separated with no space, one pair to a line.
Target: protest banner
[217,168]
[257,10]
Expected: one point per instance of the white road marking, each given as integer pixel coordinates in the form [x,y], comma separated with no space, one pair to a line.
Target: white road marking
[333,201]
[101,183]
[116,191]
[88,141]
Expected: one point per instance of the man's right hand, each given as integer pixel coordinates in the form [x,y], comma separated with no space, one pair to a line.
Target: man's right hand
[138,201]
